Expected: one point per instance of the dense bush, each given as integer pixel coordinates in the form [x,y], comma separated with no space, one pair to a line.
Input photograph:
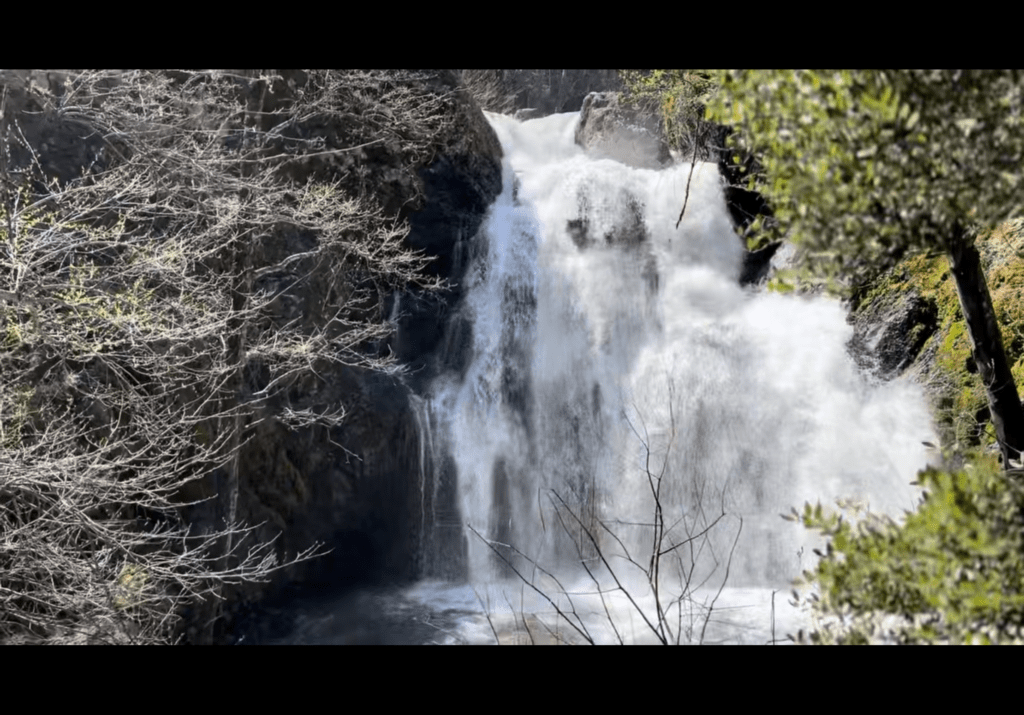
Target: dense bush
[952,572]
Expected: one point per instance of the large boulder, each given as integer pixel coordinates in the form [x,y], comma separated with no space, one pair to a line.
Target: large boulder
[758,264]
[456,188]
[610,129]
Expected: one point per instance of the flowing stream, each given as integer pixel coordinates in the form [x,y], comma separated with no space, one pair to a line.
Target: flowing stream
[628,409]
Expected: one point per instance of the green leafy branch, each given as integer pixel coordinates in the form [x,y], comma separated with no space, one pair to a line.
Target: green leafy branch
[953,571]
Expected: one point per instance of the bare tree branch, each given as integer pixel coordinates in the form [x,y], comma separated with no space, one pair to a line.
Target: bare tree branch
[201,274]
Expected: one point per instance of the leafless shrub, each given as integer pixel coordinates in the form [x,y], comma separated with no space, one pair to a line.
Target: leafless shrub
[490,90]
[212,260]
[684,556]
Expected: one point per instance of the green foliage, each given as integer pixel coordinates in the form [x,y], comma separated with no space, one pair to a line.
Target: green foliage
[130,586]
[679,96]
[862,165]
[952,572]
[14,413]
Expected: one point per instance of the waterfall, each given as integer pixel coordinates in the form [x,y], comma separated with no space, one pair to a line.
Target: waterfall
[616,358]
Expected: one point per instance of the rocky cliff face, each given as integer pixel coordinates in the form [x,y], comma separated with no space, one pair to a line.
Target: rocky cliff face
[357,487]
[537,93]
[353,487]
[909,322]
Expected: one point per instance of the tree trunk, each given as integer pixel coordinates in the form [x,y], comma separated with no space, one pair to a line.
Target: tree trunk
[987,345]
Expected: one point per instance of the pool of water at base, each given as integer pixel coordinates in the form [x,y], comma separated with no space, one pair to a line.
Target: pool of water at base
[435,613]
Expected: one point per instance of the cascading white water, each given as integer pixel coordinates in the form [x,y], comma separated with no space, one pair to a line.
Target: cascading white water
[614,354]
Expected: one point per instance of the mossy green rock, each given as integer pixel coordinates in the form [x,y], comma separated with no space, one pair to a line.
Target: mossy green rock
[909,320]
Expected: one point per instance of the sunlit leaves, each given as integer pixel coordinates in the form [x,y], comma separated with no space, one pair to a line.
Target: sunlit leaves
[853,156]
[952,571]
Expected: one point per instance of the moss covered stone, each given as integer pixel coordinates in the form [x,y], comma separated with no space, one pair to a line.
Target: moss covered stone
[944,363]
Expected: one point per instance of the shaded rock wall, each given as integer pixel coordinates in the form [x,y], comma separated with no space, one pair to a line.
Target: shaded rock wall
[355,488]
[458,189]
[537,93]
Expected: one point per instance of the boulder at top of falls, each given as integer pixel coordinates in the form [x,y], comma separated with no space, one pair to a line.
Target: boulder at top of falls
[527,113]
[609,129]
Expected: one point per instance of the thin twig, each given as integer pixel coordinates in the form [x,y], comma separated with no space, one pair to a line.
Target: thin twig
[578,627]
[724,580]
[590,573]
[487,614]
[654,629]
[686,199]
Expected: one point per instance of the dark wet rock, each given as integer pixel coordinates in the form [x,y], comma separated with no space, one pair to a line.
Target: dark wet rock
[891,330]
